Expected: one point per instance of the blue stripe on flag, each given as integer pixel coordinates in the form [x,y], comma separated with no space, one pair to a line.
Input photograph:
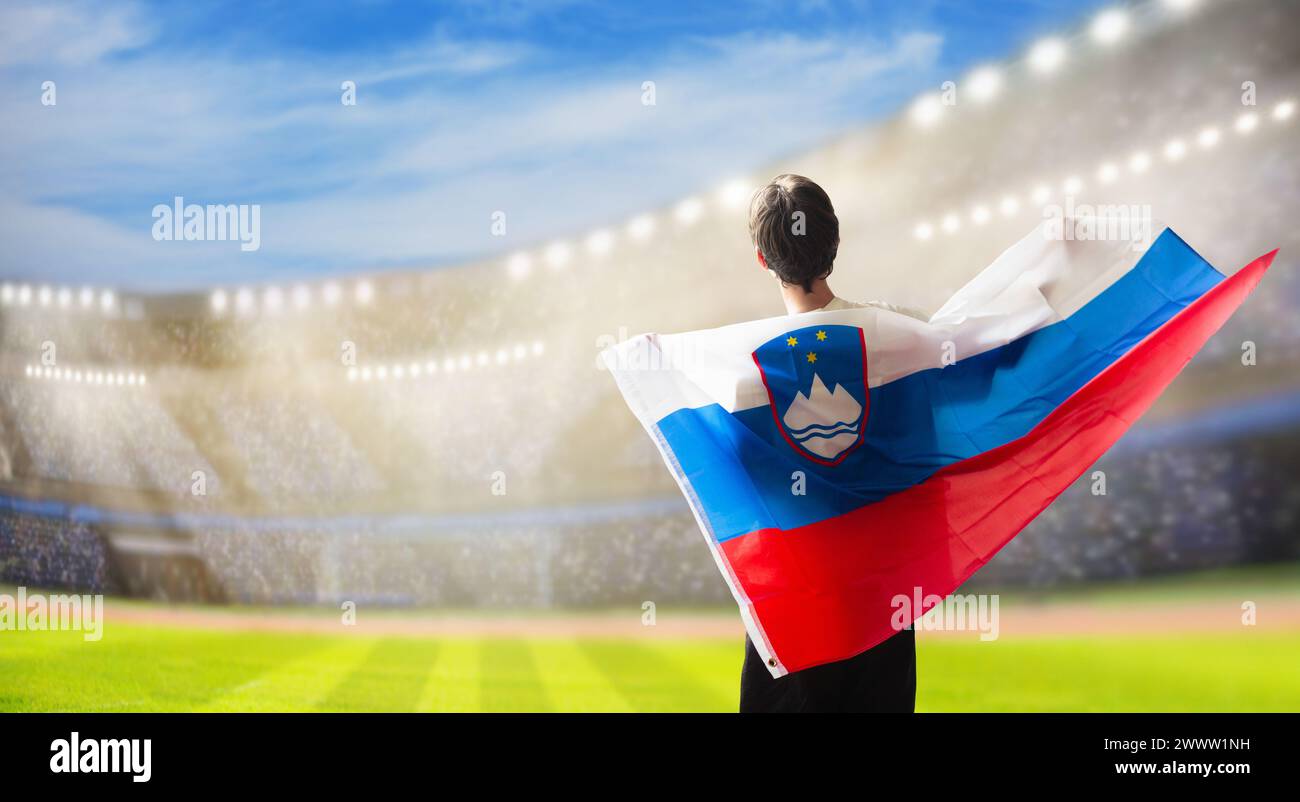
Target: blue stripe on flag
[741,468]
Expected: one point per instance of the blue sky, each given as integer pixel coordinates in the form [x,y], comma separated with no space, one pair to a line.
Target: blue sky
[531,108]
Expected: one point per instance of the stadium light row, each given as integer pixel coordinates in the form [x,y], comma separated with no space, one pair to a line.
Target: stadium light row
[86,376]
[1043,58]
[431,367]
[274,300]
[84,299]
[1107,173]
[557,255]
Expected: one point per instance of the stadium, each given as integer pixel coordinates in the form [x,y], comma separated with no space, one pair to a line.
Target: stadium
[440,451]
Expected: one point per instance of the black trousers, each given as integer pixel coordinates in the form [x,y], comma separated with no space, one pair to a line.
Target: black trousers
[880,680]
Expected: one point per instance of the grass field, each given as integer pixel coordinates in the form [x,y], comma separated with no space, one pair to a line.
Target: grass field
[1201,661]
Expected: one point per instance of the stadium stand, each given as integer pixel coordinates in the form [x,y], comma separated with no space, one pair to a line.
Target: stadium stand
[355,446]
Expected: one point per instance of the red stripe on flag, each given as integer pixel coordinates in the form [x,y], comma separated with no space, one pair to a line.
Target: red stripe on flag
[823,592]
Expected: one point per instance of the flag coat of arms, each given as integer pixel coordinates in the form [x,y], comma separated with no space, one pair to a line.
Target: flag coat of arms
[839,460]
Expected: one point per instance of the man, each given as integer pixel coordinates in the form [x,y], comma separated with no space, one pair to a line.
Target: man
[796,236]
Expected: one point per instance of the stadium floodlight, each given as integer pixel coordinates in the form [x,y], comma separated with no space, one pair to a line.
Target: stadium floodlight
[414,370]
[44,295]
[1073,185]
[399,372]
[1180,5]
[244,301]
[65,298]
[926,110]
[1208,138]
[58,374]
[465,362]
[29,371]
[503,356]
[641,227]
[331,293]
[1284,110]
[143,379]
[558,254]
[449,365]
[24,295]
[1139,162]
[219,301]
[76,377]
[1041,194]
[1109,26]
[6,294]
[600,242]
[980,215]
[538,348]
[107,300]
[430,367]
[301,297]
[733,194]
[1009,205]
[364,292]
[381,373]
[365,374]
[130,378]
[1175,150]
[951,222]
[1107,173]
[923,231]
[1246,123]
[1047,55]
[272,299]
[689,211]
[49,372]
[87,297]
[521,351]
[984,84]
[482,359]
[519,265]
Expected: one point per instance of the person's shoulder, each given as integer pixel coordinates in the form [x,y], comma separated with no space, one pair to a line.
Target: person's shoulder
[840,303]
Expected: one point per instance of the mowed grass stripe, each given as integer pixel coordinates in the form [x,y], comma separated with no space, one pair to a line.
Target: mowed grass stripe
[135,668]
[453,684]
[508,678]
[389,679]
[296,685]
[649,680]
[569,675]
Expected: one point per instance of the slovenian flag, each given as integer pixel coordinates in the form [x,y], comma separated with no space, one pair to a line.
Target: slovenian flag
[836,461]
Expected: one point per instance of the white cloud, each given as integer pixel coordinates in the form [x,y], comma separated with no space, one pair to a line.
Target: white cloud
[445,132]
[68,33]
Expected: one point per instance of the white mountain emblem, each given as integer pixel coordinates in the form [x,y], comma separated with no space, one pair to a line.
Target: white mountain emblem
[824,422]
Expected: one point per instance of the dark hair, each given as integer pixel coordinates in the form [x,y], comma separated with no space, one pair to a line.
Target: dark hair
[793,224]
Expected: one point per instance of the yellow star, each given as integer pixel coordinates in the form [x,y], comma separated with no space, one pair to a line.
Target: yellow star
[821,335]
[792,341]
[812,357]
